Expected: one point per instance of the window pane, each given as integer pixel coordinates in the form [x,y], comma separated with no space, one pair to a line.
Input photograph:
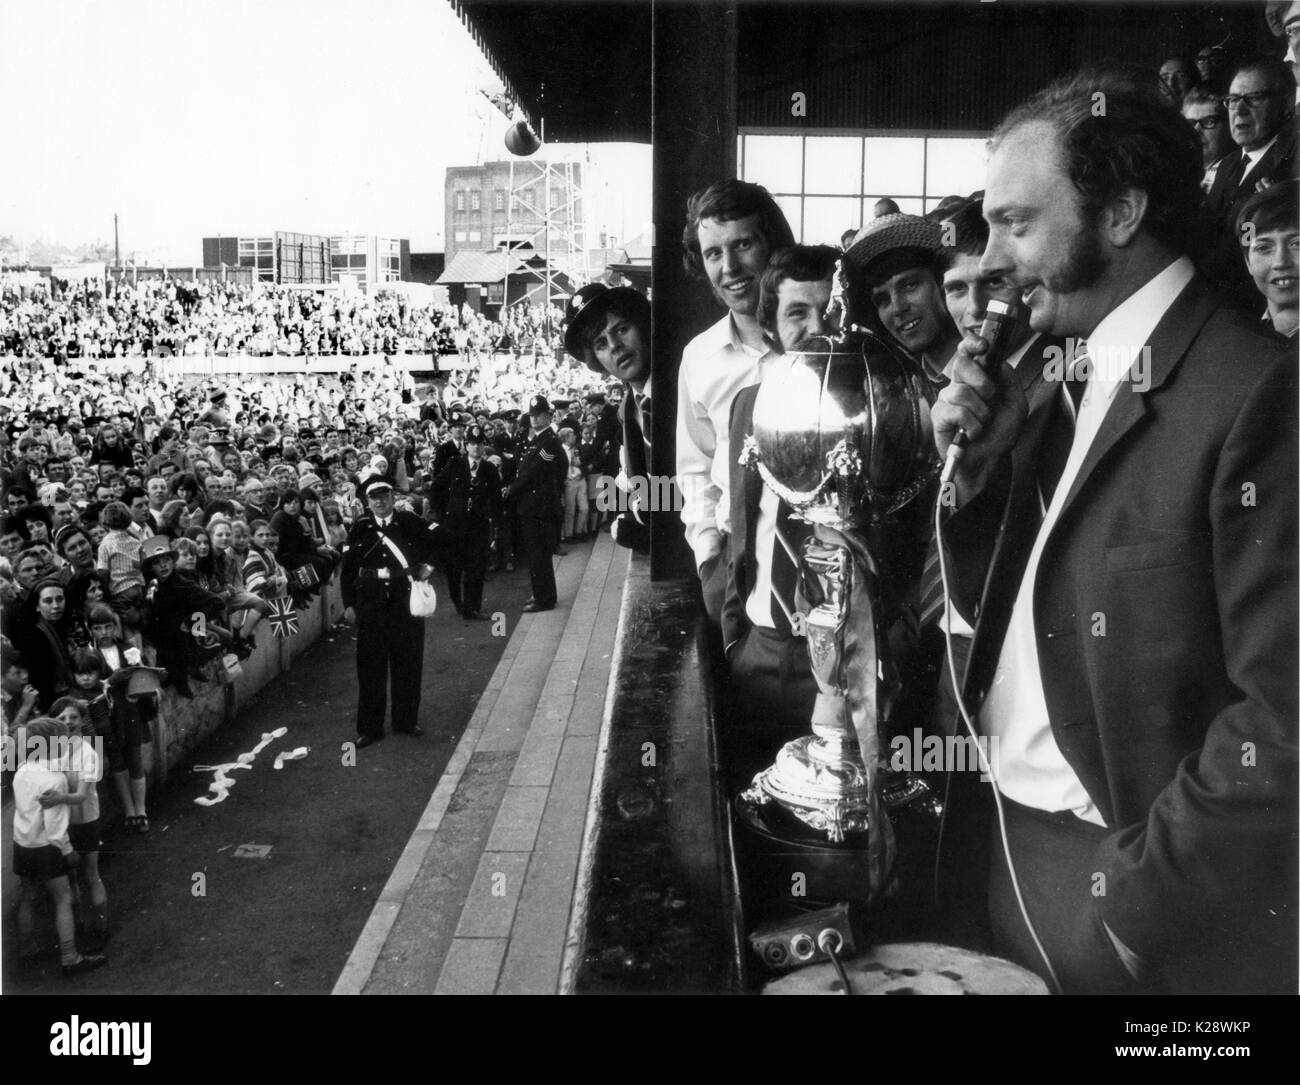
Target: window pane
[773,161]
[895,166]
[833,164]
[954,167]
[826,217]
[793,213]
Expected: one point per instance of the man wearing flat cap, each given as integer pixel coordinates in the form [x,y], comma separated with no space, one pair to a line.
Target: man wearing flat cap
[387,548]
[537,492]
[609,329]
[893,269]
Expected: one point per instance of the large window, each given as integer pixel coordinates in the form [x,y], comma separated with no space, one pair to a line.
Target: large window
[473,200]
[829,183]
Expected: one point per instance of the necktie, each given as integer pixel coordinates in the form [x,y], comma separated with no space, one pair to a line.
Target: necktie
[790,535]
[1232,173]
[931,575]
[643,402]
[1060,433]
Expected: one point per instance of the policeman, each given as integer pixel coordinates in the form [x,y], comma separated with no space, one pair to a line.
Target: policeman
[454,446]
[376,592]
[467,500]
[537,493]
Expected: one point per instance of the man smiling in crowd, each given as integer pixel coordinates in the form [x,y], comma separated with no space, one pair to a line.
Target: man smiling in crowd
[732,228]
[894,258]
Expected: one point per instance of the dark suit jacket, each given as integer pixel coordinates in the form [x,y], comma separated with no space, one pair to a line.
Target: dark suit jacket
[1180,535]
[746,493]
[1278,163]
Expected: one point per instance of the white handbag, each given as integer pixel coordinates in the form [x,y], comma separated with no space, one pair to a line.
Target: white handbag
[424,600]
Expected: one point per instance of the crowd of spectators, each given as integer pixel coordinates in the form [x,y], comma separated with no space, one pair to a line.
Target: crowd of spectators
[162,315]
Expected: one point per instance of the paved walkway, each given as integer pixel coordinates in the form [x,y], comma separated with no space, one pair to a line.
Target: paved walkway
[479,901]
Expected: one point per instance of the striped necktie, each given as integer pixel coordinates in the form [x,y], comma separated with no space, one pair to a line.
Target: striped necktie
[787,547]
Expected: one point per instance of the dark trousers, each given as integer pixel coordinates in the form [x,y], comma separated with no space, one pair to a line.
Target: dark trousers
[1055,860]
[390,643]
[466,569]
[772,696]
[538,539]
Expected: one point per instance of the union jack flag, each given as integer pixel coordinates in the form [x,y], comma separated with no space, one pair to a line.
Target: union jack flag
[283,618]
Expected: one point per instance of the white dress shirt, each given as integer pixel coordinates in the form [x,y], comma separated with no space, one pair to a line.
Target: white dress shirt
[715,366]
[1029,765]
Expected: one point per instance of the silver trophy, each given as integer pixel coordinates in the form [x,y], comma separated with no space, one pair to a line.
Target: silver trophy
[842,435]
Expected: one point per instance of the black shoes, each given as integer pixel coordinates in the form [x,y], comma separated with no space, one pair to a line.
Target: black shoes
[87,962]
[367,740]
[474,616]
[533,606]
[415,732]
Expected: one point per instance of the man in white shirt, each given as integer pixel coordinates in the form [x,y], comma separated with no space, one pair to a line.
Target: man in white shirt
[732,229]
[1135,605]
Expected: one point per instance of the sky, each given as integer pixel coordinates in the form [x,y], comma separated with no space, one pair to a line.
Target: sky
[192,118]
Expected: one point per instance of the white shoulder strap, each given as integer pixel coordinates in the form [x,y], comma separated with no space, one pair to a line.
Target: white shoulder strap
[397,550]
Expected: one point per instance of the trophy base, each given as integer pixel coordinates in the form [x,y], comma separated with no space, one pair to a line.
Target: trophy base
[822,784]
[788,866]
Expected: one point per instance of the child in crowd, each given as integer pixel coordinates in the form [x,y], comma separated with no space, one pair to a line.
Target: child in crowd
[124,725]
[119,553]
[84,771]
[43,850]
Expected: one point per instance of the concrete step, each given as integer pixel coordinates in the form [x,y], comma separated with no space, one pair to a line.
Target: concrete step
[479,900]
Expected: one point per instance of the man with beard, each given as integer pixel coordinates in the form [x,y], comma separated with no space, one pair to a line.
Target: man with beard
[1134,590]
[773,689]
[893,266]
[609,329]
[732,228]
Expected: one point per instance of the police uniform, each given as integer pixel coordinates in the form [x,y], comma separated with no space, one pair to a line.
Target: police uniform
[467,500]
[536,494]
[389,640]
[449,450]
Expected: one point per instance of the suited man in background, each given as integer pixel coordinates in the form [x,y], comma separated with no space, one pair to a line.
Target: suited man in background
[536,493]
[1133,593]
[1261,119]
[467,501]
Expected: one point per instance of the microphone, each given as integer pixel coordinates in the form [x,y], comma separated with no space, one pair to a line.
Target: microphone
[998,331]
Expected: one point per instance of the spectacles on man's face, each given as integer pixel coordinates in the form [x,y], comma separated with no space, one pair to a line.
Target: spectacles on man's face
[1251,101]
[1208,124]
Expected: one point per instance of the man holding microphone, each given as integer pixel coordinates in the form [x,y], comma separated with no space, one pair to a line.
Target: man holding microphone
[1128,559]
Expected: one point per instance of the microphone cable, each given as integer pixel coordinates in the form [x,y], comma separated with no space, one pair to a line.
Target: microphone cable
[985,764]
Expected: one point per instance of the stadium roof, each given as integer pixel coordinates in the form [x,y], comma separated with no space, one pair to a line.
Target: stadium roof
[582,67]
[481,267]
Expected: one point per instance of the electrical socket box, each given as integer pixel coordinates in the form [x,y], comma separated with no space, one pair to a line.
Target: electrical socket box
[801,940]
